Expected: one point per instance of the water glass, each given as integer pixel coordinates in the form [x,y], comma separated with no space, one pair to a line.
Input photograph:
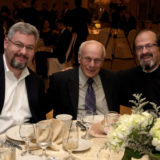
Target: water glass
[44,136]
[70,140]
[27,133]
[109,121]
[87,120]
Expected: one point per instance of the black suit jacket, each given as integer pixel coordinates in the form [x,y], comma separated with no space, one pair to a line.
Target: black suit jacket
[35,93]
[63,91]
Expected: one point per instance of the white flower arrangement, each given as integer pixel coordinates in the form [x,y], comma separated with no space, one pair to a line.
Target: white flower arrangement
[138,132]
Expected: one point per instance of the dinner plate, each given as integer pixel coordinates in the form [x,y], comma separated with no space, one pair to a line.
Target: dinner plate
[83,145]
[13,133]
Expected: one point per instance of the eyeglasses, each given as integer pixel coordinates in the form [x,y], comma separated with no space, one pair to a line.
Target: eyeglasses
[20,45]
[148,46]
[88,60]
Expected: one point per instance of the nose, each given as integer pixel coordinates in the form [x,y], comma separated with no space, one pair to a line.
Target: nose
[92,63]
[23,50]
[144,50]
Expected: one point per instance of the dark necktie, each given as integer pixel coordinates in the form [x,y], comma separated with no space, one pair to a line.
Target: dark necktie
[90,99]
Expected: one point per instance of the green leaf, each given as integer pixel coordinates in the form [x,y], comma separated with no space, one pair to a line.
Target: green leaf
[129,153]
[154,156]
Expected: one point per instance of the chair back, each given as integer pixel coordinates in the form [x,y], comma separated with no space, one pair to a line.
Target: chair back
[71,46]
[131,36]
[53,63]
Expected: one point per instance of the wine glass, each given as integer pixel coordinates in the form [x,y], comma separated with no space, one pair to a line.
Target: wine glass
[70,140]
[109,121]
[87,120]
[44,136]
[27,133]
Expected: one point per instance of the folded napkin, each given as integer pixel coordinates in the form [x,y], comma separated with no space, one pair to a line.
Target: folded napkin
[97,129]
[58,129]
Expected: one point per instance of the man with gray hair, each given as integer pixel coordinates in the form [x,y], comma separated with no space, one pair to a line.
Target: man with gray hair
[68,90]
[21,90]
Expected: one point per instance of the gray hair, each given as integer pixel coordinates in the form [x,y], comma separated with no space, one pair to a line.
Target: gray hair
[83,44]
[24,28]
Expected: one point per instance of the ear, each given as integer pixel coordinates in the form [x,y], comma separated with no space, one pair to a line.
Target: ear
[5,42]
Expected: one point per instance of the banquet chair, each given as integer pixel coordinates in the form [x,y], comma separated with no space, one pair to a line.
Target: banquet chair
[131,36]
[103,35]
[49,115]
[125,110]
[53,63]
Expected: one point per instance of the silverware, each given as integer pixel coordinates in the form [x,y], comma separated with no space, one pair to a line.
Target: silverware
[12,144]
[81,125]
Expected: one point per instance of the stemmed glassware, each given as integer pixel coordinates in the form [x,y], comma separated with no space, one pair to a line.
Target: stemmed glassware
[44,136]
[27,133]
[87,120]
[70,140]
[109,121]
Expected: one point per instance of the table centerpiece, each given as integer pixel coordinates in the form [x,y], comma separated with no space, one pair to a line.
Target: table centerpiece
[138,134]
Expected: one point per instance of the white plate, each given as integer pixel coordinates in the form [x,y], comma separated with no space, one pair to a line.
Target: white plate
[13,133]
[83,145]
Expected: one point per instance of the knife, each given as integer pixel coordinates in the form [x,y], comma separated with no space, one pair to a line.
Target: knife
[12,144]
[82,126]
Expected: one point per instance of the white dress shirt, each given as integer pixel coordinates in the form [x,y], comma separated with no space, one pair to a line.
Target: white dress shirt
[101,104]
[16,106]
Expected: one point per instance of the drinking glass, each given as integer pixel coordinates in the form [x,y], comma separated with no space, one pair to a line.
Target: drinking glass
[70,140]
[87,120]
[44,136]
[109,121]
[27,133]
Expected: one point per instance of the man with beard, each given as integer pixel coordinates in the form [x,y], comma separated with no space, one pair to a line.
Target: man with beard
[145,78]
[21,90]
[67,91]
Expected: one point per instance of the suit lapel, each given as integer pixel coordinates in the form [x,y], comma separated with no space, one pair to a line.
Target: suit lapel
[30,86]
[2,83]
[106,87]
[73,88]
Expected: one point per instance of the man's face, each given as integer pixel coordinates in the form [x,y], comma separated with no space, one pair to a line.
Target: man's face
[91,59]
[147,50]
[19,51]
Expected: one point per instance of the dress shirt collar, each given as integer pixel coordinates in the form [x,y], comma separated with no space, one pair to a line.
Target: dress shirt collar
[8,72]
[83,79]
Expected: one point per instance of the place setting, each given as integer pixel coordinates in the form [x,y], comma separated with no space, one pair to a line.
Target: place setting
[35,139]
[45,140]
[83,144]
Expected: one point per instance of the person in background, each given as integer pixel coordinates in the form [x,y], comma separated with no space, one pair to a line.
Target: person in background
[80,19]
[145,78]
[59,48]
[67,89]
[21,90]
[66,14]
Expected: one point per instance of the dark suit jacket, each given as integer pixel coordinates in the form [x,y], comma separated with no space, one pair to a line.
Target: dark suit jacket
[63,91]
[35,92]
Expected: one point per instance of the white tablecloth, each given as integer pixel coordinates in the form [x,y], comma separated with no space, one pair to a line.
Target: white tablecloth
[90,154]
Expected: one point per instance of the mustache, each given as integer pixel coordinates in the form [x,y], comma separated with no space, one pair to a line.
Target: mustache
[146,54]
[20,55]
